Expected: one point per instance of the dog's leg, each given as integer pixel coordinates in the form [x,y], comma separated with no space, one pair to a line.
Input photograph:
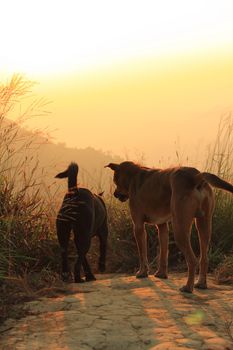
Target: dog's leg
[63,235]
[163,253]
[203,226]
[87,271]
[183,212]
[182,231]
[184,206]
[182,239]
[77,269]
[103,237]
[141,239]
[79,240]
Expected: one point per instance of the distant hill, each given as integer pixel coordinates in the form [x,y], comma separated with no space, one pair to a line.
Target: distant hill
[52,158]
[55,158]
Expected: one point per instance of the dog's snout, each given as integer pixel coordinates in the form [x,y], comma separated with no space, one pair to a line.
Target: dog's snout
[120,196]
[116,194]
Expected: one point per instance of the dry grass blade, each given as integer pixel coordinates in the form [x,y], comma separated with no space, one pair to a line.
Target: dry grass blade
[229,326]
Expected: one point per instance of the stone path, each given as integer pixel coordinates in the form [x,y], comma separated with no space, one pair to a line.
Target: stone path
[122,312]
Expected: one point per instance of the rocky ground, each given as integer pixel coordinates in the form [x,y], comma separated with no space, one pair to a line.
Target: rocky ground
[122,312]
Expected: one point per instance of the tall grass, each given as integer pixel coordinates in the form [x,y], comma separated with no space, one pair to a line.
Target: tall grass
[220,162]
[24,219]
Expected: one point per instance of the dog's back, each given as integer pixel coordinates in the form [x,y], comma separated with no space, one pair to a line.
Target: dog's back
[85,209]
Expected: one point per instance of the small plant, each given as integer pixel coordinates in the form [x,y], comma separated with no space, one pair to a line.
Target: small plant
[224,271]
[229,326]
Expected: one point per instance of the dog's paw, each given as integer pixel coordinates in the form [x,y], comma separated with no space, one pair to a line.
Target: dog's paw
[185,289]
[66,277]
[142,274]
[200,285]
[90,278]
[79,280]
[160,274]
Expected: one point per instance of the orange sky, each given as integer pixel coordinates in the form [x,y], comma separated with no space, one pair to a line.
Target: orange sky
[151,108]
[136,78]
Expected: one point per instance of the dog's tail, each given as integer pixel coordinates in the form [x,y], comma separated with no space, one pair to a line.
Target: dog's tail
[214,181]
[71,172]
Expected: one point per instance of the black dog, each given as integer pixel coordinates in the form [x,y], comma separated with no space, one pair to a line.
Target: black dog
[85,214]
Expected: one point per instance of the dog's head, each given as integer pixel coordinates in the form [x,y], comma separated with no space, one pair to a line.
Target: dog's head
[123,173]
[71,171]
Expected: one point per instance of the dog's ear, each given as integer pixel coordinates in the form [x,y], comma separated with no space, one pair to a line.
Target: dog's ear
[62,175]
[112,166]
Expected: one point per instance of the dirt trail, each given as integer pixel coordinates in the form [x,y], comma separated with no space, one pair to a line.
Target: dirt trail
[122,312]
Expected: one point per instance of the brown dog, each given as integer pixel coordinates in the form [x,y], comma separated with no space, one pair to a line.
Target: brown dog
[179,195]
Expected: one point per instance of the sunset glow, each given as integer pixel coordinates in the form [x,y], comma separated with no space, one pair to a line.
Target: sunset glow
[132,77]
[47,37]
